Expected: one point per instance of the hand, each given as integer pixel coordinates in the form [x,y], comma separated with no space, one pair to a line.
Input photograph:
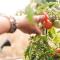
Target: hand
[24,25]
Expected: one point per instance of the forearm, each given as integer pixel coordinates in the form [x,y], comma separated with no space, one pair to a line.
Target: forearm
[4,24]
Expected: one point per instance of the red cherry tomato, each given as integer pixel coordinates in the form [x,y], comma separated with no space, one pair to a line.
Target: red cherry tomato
[47,24]
[58,50]
[46,16]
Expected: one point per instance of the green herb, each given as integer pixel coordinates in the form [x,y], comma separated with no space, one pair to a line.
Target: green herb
[29,12]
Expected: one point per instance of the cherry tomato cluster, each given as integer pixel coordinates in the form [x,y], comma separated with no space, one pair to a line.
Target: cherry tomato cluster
[46,22]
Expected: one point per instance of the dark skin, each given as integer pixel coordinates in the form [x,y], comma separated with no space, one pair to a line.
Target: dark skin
[22,23]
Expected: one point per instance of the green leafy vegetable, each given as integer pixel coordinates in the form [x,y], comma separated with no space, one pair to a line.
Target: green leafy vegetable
[39,49]
[29,12]
[43,47]
[52,32]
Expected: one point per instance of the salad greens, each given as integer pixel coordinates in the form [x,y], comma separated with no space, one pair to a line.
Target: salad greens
[43,47]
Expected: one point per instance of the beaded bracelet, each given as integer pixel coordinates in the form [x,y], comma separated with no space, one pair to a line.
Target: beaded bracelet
[12,24]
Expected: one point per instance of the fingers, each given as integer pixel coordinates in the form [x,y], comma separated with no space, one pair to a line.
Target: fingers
[36,30]
[39,18]
[31,29]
